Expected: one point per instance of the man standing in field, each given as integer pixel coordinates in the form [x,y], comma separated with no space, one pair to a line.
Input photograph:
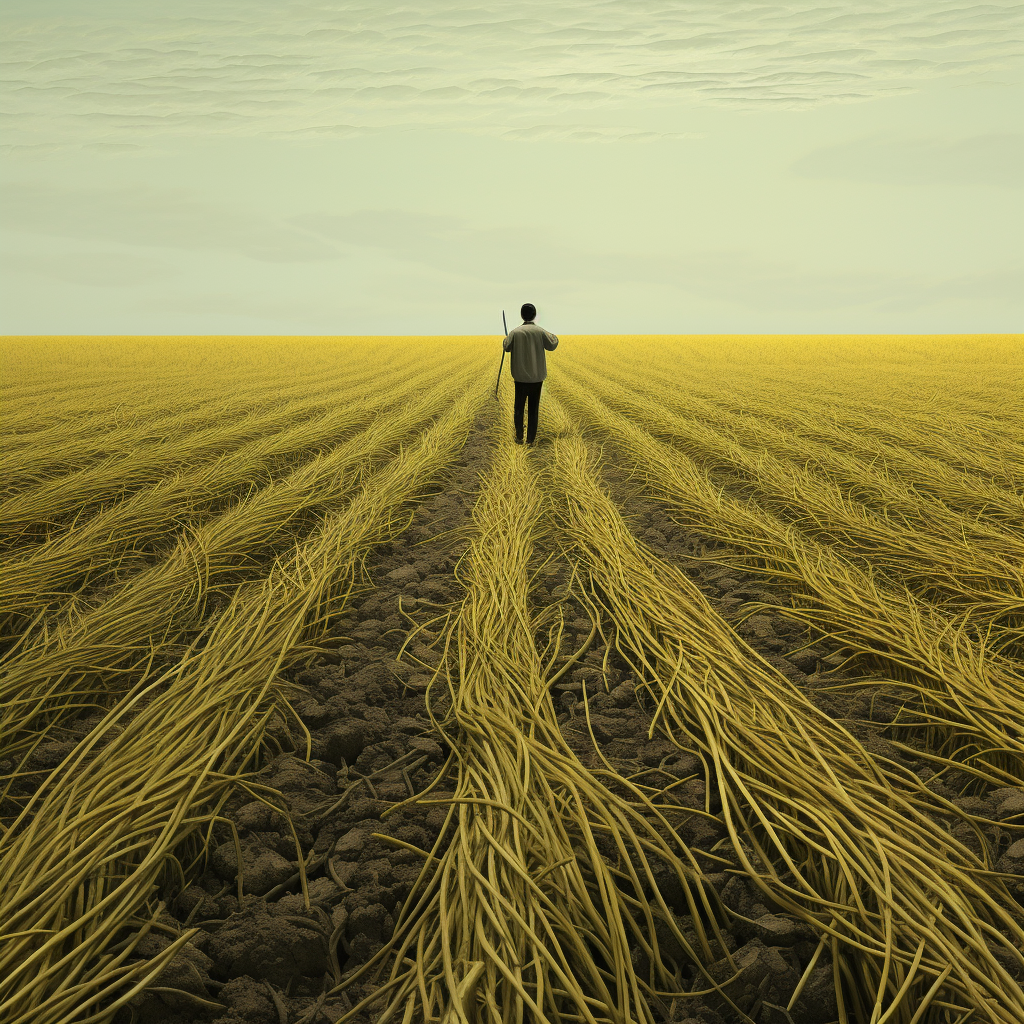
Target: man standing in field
[527,343]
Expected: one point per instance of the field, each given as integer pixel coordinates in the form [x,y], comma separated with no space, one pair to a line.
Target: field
[322,700]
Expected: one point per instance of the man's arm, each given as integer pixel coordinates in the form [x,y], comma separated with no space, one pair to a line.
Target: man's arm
[507,343]
[550,341]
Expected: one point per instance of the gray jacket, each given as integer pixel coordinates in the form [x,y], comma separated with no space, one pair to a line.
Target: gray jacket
[527,343]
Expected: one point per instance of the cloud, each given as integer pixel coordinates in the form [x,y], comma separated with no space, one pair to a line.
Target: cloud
[548,132]
[408,273]
[152,216]
[520,256]
[103,269]
[993,288]
[302,312]
[591,133]
[993,160]
[95,75]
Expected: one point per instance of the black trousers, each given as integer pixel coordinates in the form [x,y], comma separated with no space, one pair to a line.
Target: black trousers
[524,392]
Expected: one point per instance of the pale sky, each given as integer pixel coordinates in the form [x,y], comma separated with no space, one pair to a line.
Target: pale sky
[629,166]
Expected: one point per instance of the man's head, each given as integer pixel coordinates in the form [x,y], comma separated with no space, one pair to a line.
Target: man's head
[528,312]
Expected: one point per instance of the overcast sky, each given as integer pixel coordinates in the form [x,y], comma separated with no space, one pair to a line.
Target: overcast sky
[671,167]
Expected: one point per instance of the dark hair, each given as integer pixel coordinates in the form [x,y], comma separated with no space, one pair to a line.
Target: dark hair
[529,311]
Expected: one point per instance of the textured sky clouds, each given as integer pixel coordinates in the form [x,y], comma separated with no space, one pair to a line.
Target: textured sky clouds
[995,159]
[280,167]
[103,72]
[165,217]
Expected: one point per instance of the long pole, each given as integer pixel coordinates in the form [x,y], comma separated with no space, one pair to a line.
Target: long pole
[505,325]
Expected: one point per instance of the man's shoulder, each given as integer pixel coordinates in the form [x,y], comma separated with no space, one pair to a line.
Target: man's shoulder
[531,330]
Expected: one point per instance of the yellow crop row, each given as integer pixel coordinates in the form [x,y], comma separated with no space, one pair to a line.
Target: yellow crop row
[83,654]
[899,478]
[102,831]
[47,508]
[838,595]
[939,558]
[851,395]
[73,445]
[500,925]
[140,377]
[37,577]
[886,888]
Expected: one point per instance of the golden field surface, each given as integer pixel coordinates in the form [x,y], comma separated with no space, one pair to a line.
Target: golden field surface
[322,700]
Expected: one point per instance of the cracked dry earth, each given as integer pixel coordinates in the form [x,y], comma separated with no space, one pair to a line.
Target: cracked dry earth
[267,960]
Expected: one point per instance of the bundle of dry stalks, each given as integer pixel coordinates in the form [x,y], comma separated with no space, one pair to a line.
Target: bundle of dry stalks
[85,854]
[849,847]
[935,561]
[522,914]
[956,680]
[93,655]
[898,481]
[38,576]
[873,408]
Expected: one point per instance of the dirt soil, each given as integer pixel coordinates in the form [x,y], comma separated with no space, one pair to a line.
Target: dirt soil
[267,960]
